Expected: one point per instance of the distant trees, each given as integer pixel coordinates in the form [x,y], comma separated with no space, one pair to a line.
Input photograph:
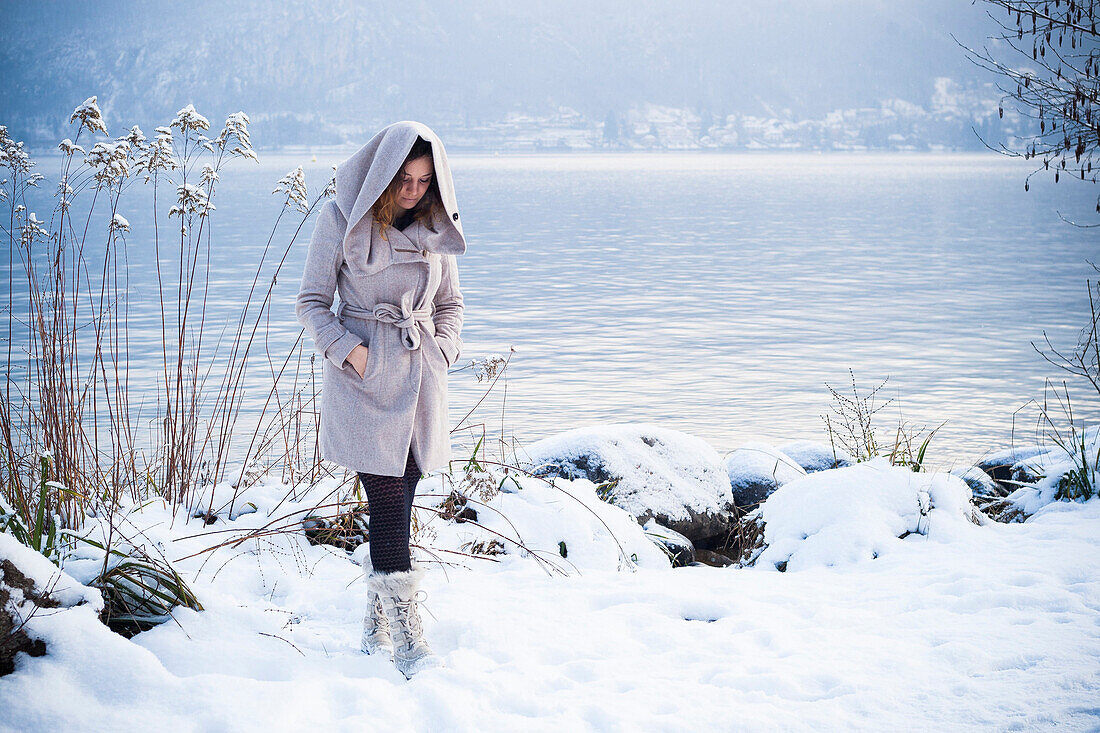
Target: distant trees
[1047,58]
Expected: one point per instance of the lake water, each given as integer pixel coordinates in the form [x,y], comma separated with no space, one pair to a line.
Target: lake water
[716,294]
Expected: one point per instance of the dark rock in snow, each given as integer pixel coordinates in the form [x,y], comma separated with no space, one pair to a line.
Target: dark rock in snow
[13,637]
[1005,465]
[757,469]
[713,559]
[679,548]
[989,496]
[1024,473]
[980,483]
[29,584]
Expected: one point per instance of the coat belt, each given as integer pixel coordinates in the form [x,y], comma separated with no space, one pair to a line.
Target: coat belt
[404,316]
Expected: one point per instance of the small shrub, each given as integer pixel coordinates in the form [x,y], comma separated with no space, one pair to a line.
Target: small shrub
[140,590]
[346,531]
[851,422]
[852,427]
[747,540]
[455,507]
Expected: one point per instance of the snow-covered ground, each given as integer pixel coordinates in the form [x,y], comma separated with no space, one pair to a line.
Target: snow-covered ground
[966,627]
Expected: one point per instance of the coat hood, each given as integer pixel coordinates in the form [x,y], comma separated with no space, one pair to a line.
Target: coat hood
[362,178]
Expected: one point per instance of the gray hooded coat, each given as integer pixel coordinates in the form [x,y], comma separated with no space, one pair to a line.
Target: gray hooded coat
[400,299]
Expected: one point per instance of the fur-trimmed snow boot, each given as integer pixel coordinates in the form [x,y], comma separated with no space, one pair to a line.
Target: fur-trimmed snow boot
[376,629]
[399,594]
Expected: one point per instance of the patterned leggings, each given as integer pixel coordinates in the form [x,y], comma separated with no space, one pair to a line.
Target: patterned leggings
[390,500]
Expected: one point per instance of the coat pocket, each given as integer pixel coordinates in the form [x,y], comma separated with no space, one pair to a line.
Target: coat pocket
[375,353]
[374,360]
[367,331]
[438,346]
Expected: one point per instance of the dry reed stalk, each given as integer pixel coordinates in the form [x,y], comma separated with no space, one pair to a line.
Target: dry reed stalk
[74,401]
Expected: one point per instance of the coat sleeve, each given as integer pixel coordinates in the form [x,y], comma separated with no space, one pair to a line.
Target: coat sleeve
[313,307]
[448,311]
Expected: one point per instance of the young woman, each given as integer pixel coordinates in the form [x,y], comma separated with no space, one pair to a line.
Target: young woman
[387,243]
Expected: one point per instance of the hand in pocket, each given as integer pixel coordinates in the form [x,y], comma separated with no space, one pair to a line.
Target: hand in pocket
[358,360]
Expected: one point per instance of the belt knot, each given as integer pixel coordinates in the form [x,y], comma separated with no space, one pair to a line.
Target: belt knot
[405,317]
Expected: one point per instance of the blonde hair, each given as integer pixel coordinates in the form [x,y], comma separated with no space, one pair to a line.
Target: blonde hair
[385,208]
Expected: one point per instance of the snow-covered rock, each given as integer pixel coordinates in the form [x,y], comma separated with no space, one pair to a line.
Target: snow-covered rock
[756,469]
[1037,475]
[816,456]
[65,589]
[857,513]
[32,588]
[648,470]
[999,465]
[561,523]
[981,485]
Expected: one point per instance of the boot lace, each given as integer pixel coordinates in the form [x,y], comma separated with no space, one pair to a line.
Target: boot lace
[407,609]
[378,614]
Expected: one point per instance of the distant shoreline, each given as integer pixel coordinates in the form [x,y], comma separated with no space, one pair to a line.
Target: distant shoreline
[38,152]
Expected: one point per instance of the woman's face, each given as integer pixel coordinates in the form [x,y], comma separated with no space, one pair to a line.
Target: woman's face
[414,180]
